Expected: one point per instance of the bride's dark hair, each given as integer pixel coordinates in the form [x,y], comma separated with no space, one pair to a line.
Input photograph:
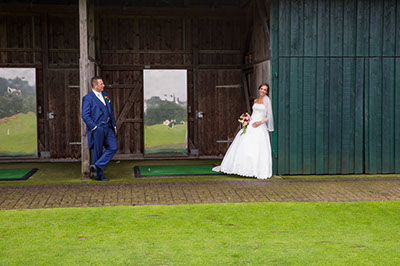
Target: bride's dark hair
[264,84]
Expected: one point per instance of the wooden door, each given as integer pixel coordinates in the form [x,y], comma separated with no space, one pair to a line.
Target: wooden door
[222,102]
[64,105]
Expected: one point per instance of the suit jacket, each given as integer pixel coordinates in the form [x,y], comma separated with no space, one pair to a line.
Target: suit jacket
[95,113]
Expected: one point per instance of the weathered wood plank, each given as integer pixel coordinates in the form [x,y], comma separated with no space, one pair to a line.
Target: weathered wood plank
[284,28]
[397,32]
[336,28]
[310,27]
[322,105]
[375,115]
[349,27]
[275,81]
[309,116]
[133,95]
[388,114]
[348,116]
[57,103]
[84,81]
[295,99]
[359,139]
[335,104]
[376,30]
[397,112]
[389,28]
[45,88]
[296,28]
[323,45]
[283,127]
[363,12]
[3,38]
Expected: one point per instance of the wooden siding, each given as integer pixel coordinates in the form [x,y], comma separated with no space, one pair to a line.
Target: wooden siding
[127,41]
[196,44]
[336,86]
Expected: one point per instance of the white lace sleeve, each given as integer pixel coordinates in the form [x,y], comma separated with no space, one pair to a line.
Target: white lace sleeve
[269,119]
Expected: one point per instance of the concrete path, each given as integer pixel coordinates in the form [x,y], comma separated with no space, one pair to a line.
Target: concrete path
[196,192]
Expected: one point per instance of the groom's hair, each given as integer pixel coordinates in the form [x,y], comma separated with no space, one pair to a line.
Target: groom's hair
[95,80]
[264,84]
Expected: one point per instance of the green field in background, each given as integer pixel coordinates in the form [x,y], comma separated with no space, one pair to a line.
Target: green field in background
[161,135]
[18,135]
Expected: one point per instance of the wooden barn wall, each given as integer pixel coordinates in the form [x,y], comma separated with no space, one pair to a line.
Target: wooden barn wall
[210,48]
[337,88]
[63,86]
[208,43]
[18,48]
[50,44]
[258,45]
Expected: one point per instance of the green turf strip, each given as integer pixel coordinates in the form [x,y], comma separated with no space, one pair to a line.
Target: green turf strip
[175,170]
[16,174]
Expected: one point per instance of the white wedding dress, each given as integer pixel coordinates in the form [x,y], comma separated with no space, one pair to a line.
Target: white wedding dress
[250,153]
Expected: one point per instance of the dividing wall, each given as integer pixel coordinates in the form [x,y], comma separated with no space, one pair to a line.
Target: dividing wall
[336,81]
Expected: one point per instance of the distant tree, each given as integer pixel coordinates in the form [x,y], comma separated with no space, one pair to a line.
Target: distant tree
[159,110]
[10,105]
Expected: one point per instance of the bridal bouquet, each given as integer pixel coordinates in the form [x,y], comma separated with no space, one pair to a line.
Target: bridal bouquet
[244,120]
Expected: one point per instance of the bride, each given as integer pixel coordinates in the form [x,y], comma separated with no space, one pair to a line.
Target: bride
[250,152]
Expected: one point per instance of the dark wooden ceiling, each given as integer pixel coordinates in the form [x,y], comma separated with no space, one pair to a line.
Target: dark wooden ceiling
[142,3]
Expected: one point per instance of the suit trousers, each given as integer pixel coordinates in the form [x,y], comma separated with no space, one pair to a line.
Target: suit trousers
[104,136]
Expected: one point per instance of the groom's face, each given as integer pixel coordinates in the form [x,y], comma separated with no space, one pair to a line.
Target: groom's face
[99,87]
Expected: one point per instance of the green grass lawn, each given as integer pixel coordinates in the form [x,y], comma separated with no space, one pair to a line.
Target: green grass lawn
[19,136]
[249,233]
[161,135]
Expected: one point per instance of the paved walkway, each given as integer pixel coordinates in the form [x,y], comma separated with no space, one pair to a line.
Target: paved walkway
[195,192]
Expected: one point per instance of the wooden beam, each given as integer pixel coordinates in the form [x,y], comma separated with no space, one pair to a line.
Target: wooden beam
[38,50]
[138,12]
[128,105]
[131,51]
[244,3]
[45,103]
[195,56]
[116,67]
[85,73]
[28,9]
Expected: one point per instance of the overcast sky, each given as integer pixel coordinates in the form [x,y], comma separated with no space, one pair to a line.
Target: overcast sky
[164,83]
[27,74]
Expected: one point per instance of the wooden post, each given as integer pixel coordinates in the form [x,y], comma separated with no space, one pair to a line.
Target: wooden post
[45,153]
[195,58]
[85,73]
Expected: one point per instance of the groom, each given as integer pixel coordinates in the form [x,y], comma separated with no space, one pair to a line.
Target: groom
[98,114]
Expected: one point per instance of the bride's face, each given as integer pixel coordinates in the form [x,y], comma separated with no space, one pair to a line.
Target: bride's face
[263,91]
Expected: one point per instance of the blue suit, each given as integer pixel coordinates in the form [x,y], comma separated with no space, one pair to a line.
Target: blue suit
[100,124]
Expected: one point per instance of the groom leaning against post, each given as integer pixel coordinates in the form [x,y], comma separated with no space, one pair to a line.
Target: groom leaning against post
[98,114]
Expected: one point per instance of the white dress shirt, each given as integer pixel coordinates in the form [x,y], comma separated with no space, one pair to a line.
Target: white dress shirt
[100,96]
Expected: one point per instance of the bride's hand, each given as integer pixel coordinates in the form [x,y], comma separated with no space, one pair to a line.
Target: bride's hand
[256,124]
